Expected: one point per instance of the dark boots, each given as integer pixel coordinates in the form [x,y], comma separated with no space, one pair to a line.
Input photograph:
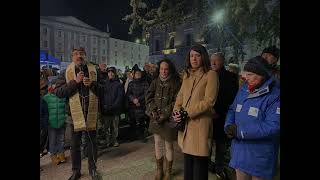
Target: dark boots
[75,175]
[167,175]
[159,171]
[94,174]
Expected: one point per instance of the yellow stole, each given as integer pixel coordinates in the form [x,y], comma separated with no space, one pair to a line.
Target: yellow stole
[75,106]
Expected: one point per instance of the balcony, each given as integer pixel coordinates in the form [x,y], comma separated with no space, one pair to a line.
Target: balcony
[169,51]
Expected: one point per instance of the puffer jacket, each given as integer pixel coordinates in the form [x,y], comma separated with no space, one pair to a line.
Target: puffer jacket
[137,88]
[254,150]
[57,110]
[112,97]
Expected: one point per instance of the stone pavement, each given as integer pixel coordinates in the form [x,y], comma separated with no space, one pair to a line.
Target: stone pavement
[130,161]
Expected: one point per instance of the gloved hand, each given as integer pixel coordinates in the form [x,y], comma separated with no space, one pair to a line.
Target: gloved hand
[231,131]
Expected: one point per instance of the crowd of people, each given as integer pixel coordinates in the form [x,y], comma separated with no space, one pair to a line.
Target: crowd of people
[206,105]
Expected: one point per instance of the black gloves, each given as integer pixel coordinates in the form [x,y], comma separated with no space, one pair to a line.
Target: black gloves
[231,131]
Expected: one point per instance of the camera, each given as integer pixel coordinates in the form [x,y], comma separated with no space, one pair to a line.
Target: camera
[179,125]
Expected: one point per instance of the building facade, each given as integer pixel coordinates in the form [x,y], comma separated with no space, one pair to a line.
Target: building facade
[60,34]
[124,53]
[173,43]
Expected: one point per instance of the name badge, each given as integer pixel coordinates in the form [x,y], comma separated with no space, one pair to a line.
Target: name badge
[239,107]
[253,111]
[278,111]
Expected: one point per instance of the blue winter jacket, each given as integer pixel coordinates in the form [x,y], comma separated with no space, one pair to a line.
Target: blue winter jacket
[254,150]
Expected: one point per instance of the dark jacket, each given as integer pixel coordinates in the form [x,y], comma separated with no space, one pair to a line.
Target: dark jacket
[44,115]
[137,88]
[228,88]
[160,98]
[66,90]
[112,97]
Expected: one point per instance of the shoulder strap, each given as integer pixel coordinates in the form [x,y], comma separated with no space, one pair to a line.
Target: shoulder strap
[193,87]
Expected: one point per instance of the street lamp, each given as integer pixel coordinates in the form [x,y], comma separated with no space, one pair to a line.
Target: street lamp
[218,17]
[137,40]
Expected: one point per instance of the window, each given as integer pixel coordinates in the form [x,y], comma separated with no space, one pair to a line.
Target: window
[94,58]
[104,42]
[188,40]
[139,56]
[94,50]
[115,62]
[157,45]
[103,51]
[59,33]
[61,58]
[171,44]
[115,53]
[115,44]
[94,40]
[72,36]
[83,38]
[131,56]
[45,31]
[45,44]
[60,46]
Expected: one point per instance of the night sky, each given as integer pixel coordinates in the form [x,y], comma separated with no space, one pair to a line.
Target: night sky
[97,13]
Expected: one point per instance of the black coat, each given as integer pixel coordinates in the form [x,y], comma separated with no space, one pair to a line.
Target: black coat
[228,88]
[112,97]
[44,114]
[137,89]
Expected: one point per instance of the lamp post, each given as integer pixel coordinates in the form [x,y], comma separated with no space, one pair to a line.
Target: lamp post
[218,20]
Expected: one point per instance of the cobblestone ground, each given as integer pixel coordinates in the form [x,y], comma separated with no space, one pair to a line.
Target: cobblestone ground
[129,161]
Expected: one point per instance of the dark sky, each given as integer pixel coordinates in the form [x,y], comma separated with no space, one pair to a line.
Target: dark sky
[97,13]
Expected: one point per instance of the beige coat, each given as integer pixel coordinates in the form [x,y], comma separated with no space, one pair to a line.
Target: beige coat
[197,135]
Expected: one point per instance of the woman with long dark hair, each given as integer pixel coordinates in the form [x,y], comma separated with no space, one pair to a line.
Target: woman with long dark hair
[160,99]
[196,98]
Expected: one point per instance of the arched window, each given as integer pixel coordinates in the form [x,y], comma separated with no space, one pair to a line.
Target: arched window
[188,40]
[157,45]
[171,44]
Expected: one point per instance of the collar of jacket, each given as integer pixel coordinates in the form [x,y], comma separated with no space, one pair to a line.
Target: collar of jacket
[264,89]
[197,72]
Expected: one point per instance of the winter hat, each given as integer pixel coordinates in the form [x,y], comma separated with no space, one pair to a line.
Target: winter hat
[136,67]
[112,69]
[258,66]
[272,50]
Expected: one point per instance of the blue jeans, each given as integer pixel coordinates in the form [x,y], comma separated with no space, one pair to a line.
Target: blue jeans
[56,140]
